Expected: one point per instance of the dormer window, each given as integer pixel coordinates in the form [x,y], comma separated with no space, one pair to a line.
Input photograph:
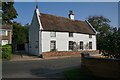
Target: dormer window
[52,34]
[70,34]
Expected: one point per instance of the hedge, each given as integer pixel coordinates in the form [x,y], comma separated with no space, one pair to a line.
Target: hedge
[6,52]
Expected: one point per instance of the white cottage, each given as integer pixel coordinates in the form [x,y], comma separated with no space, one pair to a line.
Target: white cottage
[53,33]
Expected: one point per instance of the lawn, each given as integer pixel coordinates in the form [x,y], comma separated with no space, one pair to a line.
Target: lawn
[76,74]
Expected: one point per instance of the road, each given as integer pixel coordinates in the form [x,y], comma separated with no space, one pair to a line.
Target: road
[46,68]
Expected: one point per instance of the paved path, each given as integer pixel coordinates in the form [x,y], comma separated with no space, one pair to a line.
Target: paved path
[45,68]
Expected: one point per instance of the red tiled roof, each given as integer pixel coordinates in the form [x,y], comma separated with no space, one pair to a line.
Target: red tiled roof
[56,23]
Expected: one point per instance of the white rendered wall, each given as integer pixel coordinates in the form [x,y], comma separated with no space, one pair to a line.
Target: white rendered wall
[62,40]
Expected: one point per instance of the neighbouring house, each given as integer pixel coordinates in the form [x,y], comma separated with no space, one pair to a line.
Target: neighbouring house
[54,33]
[5,34]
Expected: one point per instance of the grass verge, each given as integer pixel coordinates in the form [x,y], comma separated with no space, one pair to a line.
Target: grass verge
[76,74]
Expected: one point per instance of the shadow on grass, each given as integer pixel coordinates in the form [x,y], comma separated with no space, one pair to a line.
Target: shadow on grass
[76,74]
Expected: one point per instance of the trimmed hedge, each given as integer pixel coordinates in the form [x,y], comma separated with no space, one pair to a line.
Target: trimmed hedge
[6,52]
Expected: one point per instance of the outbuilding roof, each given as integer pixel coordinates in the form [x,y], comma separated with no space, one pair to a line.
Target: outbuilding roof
[57,23]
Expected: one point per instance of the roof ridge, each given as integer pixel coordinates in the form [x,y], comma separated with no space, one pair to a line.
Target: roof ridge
[60,17]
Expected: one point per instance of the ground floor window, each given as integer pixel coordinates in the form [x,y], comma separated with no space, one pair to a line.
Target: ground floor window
[4,42]
[52,45]
[70,45]
[90,45]
[81,45]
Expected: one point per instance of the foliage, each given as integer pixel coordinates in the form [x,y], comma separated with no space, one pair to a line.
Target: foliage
[0,21]
[6,52]
[112,43]
[8,12]
[100,23]
[19,36]
[76,74]
[53,50]
[0,14]
[26,29]
[0,3]
[102,27]
[108,39]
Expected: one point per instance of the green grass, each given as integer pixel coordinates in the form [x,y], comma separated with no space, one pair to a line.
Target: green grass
[76,74]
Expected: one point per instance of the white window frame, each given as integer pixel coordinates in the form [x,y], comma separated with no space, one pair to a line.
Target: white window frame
[70,46]
[90,45]
[3,32]
[70,34]
[52,34]
[90,36]
[81,45]
[5,41]
[52,45]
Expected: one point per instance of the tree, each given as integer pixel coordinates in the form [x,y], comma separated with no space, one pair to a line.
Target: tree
[112,41]
[8,12]
[19,36]
[26,28]
[0,3]
[101,25]
[0,12]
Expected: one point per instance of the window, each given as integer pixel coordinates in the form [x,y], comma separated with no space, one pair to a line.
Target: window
[52,34]
[4,42]
[81,45]
[70,45]
[3,32]
[52,45]
[70,34]
[90,45]
[90,36]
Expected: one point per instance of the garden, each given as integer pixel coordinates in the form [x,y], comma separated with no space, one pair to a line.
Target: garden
[6,52]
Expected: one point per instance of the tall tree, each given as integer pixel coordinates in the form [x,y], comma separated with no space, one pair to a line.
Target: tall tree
[112,41]
[8,12]
[19,35]
[0,12]
[26,28]
[101,25]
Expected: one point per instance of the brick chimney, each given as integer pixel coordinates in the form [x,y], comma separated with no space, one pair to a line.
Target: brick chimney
[71,15]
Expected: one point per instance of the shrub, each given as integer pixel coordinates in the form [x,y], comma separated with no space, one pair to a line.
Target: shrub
[6,52]
[53,50]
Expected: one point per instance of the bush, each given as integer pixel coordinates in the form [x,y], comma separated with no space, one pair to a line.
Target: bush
[6,52]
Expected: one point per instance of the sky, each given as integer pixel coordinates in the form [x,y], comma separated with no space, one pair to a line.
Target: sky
[81,10]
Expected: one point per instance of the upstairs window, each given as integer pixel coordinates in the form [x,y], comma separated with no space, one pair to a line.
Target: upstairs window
[70,45]
[90,45]
[90,36]
[70,34]
[52,34]
[3,32]
[81,45]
